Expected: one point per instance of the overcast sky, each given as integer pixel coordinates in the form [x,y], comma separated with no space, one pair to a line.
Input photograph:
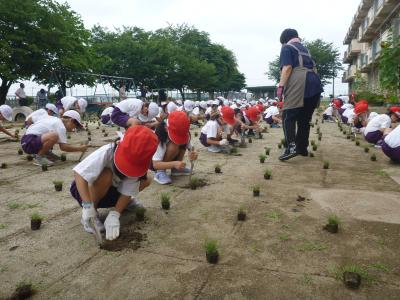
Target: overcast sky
[251,28]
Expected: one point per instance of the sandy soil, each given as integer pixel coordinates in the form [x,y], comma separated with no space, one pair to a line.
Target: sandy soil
[279,252]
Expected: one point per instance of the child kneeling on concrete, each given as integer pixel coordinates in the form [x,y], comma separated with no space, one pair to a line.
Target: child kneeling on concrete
[40,137]
[112,176]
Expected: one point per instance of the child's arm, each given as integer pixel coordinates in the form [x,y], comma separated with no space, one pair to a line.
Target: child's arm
[70,148]
[2,129]
[164,165]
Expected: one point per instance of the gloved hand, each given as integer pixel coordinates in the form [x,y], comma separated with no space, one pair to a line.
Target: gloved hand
[112,225]
[279,92]
[223,142]
[88,211]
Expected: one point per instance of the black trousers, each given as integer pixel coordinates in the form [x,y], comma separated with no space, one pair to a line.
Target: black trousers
[301,117]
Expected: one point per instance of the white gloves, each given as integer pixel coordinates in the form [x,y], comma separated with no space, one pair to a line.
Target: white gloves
[112,225]
[223,142]
[88,211]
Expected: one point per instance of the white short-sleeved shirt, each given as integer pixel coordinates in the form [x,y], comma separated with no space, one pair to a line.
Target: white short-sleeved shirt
[68,102]
[160,152]
[49,124]
[92,166]
[108,111]
[349,114]
[210,129]
[328,111]
[393,138]
[37,115]
[271,111]
[372,115]
[132,106]
[347,106]
[377,123]
[20,93]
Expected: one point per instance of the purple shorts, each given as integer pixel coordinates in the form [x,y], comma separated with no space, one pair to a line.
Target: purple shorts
[373,137]
[393,153]
[269,120]
[105,119]
[119,118]
[109,200]
[31,144]
[59,105]
[344,119]
[203,140]
[341,110]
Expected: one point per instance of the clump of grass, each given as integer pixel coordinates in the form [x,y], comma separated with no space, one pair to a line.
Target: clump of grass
[14,205]
[267,174]
[360,270]
[284,237]
[256,188]
[36,217]
[326,165]
[165,201]
[280,146]
[267,150]
[311,154]
[211,247]
[262,158]
[63,157]
[273,216]
[357,143]
[312,142]
[315,147]
[217,168]
[194,182]
[366,149]
[139,212]
[3,226]
[373,157]
[333,219]
[58,182]
[312,246]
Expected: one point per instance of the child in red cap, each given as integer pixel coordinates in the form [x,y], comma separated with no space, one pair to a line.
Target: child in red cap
[377,128]
[174,138]
[112,176]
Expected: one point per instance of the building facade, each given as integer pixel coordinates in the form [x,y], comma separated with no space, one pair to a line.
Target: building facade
[371,25]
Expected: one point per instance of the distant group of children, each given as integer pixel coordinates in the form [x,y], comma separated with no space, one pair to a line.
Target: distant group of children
[382,130]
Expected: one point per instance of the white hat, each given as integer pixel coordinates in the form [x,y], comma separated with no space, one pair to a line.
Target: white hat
[52,107]
[226,102]
[179,101]
[171,107]
[153,110]
[6,112]
[215,102]
[209,102]
[203,104]
[82,104]
[196,111]
[73,114]
[196,103]
[188,105]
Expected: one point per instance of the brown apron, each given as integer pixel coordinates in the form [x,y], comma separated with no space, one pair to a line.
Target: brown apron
[294,90]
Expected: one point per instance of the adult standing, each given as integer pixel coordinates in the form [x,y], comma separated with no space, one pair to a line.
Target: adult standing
[41,98]
[21,96]
[300,87]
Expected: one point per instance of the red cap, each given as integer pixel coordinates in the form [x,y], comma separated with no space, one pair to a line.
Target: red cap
[280,104]
[260,107]
[134,153]
[228,115]
[178,125]
[396,110]
[361,107]
[337,103]
[253,114]
[362,101]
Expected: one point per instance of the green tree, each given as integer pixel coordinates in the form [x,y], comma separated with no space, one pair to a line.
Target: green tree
[389,65]
[67,45]
[326,56]
[24,28]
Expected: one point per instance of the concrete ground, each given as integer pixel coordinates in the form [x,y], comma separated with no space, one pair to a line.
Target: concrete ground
[279,252]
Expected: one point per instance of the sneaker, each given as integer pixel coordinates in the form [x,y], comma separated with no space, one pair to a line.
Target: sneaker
[214,148]
[88,228]
[51,156]
[162,178]
[40,161]
[134,204]
[289,152]
[183,172]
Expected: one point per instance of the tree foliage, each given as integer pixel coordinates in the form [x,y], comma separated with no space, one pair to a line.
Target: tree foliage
[389,65]
[326,56]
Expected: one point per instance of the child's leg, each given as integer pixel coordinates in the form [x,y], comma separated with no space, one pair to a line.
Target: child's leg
[48,141]
[173,152]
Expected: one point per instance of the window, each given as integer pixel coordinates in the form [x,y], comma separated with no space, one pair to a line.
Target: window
[377,5]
